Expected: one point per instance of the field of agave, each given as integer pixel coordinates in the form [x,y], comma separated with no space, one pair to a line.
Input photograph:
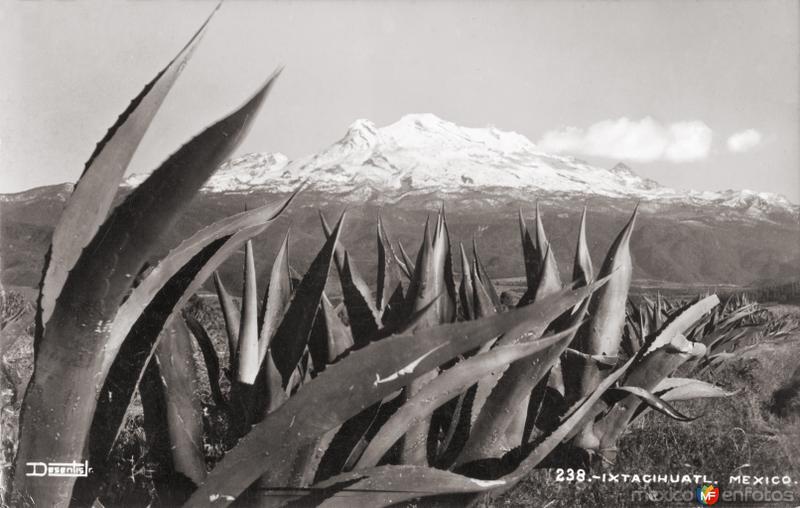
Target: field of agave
[422,385]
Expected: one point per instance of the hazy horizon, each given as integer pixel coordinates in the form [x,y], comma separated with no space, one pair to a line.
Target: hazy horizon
[700,95]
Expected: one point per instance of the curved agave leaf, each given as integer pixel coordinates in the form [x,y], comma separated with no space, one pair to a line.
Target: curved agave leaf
[674,389]
[515,387]
[331,338]
[529,254]
[370,374]
[231,316]
[481,298]
[443,269]
[603,335]
[466,289]
[387,268]
[276,299]
[500,424]
[292,336]
[576,418]
[484,276]
[524,332]
[446,386]
[582,269]
[549,280]
[405,261]
[607,310]
[425,289]
[340,339]
[168,286]
[681,323]
[92,197]
[648,370]
[656,402]
[127,369]
[248,360]
[369,487]
[210,357]
[364,316]
[182,416]
[94,289]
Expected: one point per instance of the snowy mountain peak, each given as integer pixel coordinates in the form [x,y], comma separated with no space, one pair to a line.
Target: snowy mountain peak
[422,153]
[623,168]
[361,134]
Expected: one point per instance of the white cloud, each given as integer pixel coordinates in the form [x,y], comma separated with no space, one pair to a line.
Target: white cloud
[744,141]
[642,140]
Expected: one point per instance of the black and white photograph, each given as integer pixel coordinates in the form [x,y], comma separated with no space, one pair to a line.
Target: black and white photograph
[354,253]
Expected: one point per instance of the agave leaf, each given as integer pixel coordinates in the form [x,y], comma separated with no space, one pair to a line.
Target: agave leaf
[168,286]
[655,402]
[648,370]
[549,280]
[542,243]
[658,311]
[466,290]
[276,299]
[576,418]
[364,317]
[94,289]
[308,459]
[183,414]
[582,269]
[331,337]
[484,277]
[481,298]
[383,486]
[674,389]
[210,357]
[433,276]
[354,434]
[405,262]
[370,374]
[500,424]
[608,305]
[396,311]
[529,254]
[446,386]
[293,333]
[603,334]
[521,376]
[443,269]
[458,427]
[524,332]
[681,323]
[387,268]
[92,197]
[231,316]
[247,356]
[126,372]
[425,289]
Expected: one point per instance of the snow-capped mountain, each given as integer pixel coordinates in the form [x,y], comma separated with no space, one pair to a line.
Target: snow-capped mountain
[484,177]
[422,153]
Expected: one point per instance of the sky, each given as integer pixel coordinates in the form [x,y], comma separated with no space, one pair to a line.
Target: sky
[693,94]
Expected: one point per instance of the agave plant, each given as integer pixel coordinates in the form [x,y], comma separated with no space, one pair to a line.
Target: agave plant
[414,390]
[97,323]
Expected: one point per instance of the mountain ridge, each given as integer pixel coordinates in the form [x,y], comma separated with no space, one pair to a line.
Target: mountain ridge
[423,153]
